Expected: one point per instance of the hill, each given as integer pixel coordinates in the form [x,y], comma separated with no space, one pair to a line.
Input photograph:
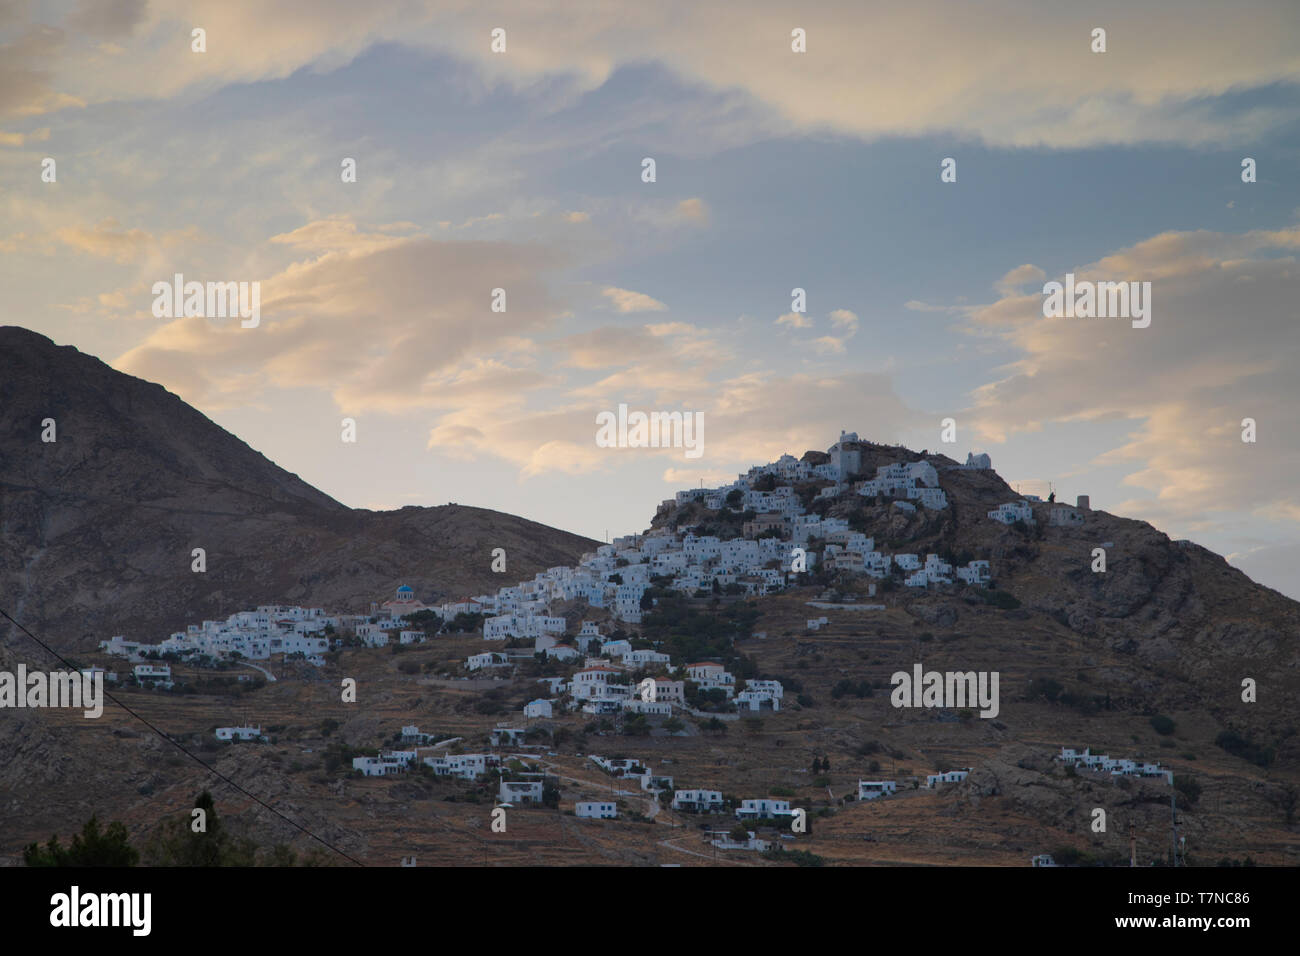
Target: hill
[1143,660]
[98,527]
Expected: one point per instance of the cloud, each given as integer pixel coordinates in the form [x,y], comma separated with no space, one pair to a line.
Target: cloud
[107,240]
[916,305]
[20,139]
[27,75]
[1220,348]
[383,322]
[691,477]
[627,301]
[693,210]
[340,234]
[795,320]
[577,217]
[107,17]
[748,419]
[1010,283]
[988,72]
[844,320]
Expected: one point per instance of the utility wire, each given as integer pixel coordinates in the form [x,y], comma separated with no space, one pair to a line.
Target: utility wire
[208,767]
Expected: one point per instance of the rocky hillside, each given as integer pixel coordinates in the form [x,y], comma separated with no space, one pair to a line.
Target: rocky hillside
[97,528]
[1191,626]
[1144,660]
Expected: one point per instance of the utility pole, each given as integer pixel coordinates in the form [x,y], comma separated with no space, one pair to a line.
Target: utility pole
[1132,844]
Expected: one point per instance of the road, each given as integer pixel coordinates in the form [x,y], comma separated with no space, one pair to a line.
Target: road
[270,678]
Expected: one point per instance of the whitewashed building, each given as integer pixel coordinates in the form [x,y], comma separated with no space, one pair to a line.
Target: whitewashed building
[538,708]
[1013,511]
[239,733]
[950,776]
[875,789]
[697,801]
[762,808]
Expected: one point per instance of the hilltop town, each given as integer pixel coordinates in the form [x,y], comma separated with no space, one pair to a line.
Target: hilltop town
[587,638]
[780,603]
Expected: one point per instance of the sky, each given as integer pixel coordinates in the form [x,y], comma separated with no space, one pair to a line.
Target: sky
[522,169]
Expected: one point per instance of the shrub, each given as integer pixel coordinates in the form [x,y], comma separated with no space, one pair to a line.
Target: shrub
[1162,725]
[798,857]
[1046,688]
[1245,748]
[1000,599]
[1188,787]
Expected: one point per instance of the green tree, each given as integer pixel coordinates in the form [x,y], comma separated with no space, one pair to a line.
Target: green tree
[179,844]
[91,847]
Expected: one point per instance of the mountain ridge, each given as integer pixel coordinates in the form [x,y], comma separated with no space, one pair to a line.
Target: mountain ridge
[137,478]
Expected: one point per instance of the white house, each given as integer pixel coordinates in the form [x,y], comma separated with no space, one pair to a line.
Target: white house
[753,700]
[385,764]
[698,801]
[119,646]
[537,708]
[615,648]
[1013,511]
[710,676]
[1063,516]
[977,573]
[476,662]
[642,657]
[723,841]
[761,808]
[520,791]
[590,683]
[239,733]
[663,690]
[157,673]
[465,766]
[635,705]
[936,499]
[506,736]
[772,688]
[595,810]
[874,789]
[951,776]
[938,570]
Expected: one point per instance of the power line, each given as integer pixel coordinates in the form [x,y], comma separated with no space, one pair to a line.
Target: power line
[212,770]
